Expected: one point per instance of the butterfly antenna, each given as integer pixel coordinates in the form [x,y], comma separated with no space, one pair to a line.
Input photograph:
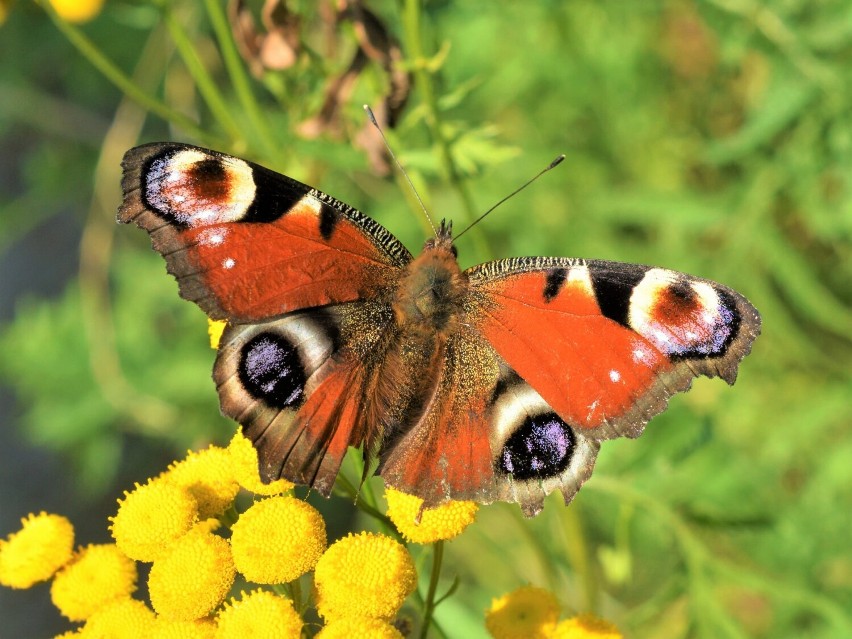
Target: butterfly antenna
[552,165]
[402,170]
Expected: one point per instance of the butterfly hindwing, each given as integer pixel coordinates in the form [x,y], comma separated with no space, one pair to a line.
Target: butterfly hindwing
[607,343]
[246,243]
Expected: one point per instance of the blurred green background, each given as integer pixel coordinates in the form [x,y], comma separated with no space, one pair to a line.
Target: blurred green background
[708,137]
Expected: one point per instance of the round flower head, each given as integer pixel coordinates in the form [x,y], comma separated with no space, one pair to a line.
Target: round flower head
[41,547]
[95,577]
[444,522]
[175,629]
[359,628]
[586,627]
[277,540]
[215,328]
[193,578]
[364,575]
[123,619]
[244,468]
[525,613]
[77,10]
[259,615]
[151,518]
[208,477]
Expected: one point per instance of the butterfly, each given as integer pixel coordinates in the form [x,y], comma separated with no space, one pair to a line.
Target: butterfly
[496,383]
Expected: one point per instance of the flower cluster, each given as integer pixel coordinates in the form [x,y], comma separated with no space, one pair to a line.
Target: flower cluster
[533,613]
[186,525]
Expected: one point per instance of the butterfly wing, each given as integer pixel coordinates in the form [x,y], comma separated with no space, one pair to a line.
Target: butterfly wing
[246,243]
[487,435]
[303,281]
[605,343]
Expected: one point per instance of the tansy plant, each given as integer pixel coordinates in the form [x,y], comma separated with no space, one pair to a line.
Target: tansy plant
[220,569]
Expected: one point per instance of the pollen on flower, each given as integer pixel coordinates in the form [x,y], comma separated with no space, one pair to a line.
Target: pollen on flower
[193,578]
[260,615]
[215,328]
[177,629]
[366,575]
[244,468]
[35,552]
[526,613]
[124,619]
[277,540]
[586,627]
[96,576]
[359,628]
[207,476]
[444,522]
[151,518]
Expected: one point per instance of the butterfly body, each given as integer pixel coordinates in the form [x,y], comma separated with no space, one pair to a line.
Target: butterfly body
[493,383]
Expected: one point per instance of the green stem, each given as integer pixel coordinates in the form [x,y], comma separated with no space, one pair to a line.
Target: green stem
[423,75]
[234,64]
[112,73]
[203,80]
[577,549]
[434,577]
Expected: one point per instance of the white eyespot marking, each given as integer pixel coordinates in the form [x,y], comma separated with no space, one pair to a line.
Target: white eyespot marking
[614,376]
[194,188]
[512,407]
[310,203]
[228,262]
[679,315]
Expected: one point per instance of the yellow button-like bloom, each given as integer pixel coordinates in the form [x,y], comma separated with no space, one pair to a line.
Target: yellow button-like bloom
[586,627]
[193,578]
[176,629]
[259,615]
[207,476]
[41,547]
[95,577]
[244,468]
[124,619]
[151,518]
[277,540]
[77,10]
[364,575]
[526,613]
[359,628]
[444,522]
[215,328]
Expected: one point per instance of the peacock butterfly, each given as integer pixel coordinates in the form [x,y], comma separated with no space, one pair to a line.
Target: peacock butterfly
[494,383]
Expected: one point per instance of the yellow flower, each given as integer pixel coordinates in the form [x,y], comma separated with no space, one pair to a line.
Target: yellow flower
[41,547]
[95,577]
[244,468]
[277,540]
[259,615]
[151,518]
[215,328]
[208,477]
[359,628]
[526,613]
[193,578]
[364,575]
[444,522]
[124,619]
[77,10]
[175,629]
[586,627]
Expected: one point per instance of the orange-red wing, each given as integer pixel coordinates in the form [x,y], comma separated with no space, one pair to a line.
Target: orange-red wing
[486,436]
[605,344]
[246,243]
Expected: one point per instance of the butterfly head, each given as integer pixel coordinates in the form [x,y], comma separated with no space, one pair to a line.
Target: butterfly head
[443,240]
